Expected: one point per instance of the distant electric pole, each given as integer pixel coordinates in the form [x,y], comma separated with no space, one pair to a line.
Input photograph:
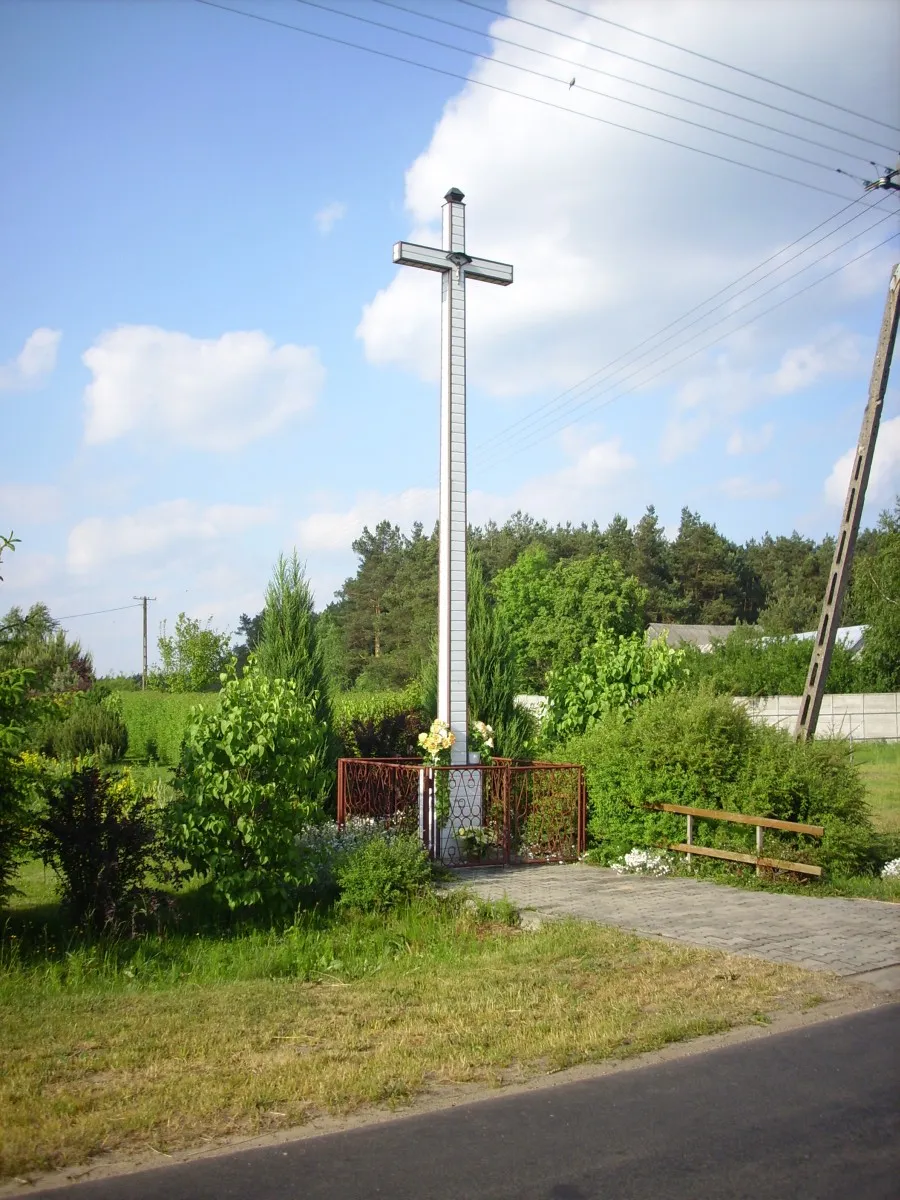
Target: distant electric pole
[144,600]
[839,575]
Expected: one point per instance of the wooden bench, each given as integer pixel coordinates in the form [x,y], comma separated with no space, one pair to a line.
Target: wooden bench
[690,848]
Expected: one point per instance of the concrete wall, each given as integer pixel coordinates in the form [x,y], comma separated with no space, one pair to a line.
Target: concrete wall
[867,717]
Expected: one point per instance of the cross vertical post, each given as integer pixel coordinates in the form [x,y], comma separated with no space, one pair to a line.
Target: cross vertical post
[455,266]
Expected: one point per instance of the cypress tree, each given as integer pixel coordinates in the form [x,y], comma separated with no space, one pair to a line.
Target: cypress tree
[288,646]
[492,671]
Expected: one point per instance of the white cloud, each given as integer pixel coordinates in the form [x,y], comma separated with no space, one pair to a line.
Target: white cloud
[713,396]
[575,205]
[326,218]
[744,441]
[884,478]
[35,360]
[593,476]
[835,354]
[336,530]
[743,487]
[158,532]
[205,393]
[29,503]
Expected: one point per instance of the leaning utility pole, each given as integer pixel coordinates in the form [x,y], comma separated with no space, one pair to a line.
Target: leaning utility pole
[144,600]
[839,576]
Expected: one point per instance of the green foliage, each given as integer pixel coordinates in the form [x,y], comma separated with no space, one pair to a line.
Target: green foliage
[91,728]
[385,615]
[748,663]
[492,672]
[383,873]
[330,637]
[16,795]
[192,658]
[614,676]
[702,750]
[157,722]
[252,774]
[794,573]
[288,647]
[380,724]
[101,836]
[552,613]
[716,581]
[380,629]
[32,642]
[877,586]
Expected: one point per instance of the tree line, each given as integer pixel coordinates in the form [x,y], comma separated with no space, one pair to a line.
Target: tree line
[555,585]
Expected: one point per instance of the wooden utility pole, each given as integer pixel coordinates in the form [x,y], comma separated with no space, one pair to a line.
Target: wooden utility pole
[144,600]
[839,576]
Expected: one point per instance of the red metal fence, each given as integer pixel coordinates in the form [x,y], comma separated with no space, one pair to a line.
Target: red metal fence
[497,813]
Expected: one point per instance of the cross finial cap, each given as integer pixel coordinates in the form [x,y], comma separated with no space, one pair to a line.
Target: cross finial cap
[454,196]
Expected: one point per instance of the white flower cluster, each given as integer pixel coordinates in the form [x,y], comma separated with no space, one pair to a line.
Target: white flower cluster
[484,734]
[891,870]
[324,845]
[643,862]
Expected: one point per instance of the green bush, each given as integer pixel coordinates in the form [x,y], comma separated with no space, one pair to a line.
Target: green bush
[90,728]
[252,775]
[101,836]
[702,750]
[157,721]
[382,873]
[379,724]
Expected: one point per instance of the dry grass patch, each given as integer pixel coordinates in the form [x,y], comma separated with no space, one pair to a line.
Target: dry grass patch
[89,1071]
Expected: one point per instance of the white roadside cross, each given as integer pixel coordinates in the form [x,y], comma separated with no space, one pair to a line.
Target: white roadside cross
[456,266]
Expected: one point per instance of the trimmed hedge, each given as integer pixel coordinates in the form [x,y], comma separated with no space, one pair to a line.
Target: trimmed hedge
[156,722]
[701,750]
[379,724]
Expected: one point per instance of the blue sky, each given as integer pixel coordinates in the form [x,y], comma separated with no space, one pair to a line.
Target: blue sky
[210,358]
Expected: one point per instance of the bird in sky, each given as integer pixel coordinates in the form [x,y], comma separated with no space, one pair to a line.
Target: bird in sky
[571,83]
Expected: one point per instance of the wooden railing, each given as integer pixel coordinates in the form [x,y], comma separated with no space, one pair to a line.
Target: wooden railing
[689,847]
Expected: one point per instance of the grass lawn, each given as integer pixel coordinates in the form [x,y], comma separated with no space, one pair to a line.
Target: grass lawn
[879,764]
[169,1040]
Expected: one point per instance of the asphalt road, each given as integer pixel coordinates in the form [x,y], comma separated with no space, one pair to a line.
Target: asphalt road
[812,1113]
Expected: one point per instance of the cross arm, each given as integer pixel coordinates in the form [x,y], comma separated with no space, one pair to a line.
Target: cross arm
[489,272]
[408,254]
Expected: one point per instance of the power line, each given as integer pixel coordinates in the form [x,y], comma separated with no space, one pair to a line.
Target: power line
[97,613]
[622,79]
[728,333]
[421,37]
[526,435]
[656,137]
[679,74]
[719,63]
[585,383]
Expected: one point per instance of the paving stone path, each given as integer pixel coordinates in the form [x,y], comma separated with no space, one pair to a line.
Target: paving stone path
[848,937]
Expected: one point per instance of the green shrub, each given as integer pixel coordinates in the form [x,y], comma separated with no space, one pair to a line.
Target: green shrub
[157,721]
[747,663]
[379,724]
[252,775]
[702,750]
[382,873]
[101,836]
[90,728]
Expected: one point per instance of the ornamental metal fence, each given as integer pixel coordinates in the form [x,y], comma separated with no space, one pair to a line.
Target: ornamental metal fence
[489,814]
